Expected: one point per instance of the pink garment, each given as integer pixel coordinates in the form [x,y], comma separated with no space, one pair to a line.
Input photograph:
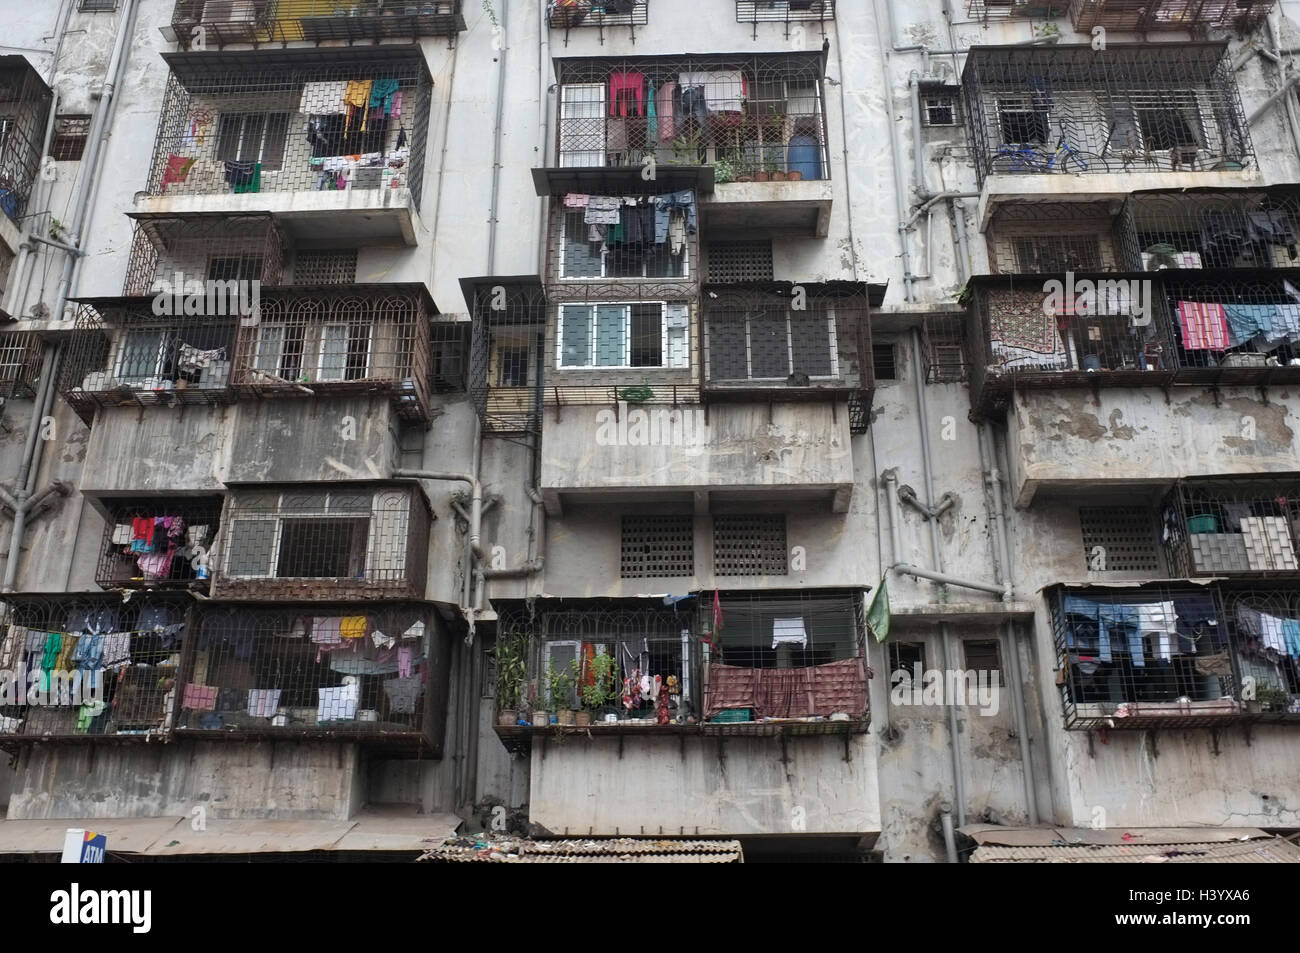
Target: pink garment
[397,104]
[622,88]
[327,630]
[405,660]
[664,112]
[1205,326]
[157,565]
[576,200]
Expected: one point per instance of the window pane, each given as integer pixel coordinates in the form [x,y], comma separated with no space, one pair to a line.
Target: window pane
[277,131]
[679,335]
[727,360]
[647,335]
[249,547]
[575,336]
[333,352]
[611,335]
[581,257]
[358,362]
[140,355]
[769,344]
[810,339]
[270,340]
[322,548]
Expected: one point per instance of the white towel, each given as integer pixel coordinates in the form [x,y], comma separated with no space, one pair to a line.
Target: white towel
[323,99]
[263,702]
[338,704]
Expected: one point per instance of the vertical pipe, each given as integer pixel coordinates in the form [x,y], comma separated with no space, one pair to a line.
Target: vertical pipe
[949,838]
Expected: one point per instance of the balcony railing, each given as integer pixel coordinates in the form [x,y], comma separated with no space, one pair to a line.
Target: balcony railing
[1130,330]
[20,364]
[1137,16]
[1233,528]
[124,353]
[1210,229]
[507,352]
[158,543]
[750,117]
[570,14]
[758,665]
[1165,108]
[786,12]
[169,251]
[284,122]
[1171,657]
[339,340]
[84,667]
[24,108]
[1026,9]
[348,542]
[779,341]
[369,672]
[213,24]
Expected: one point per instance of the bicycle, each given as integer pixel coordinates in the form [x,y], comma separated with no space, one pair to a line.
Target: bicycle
[1027,158]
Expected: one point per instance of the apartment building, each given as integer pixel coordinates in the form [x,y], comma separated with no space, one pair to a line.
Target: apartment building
[625,419]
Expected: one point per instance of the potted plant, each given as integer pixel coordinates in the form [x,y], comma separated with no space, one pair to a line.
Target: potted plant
[510,658]
[560,681]
[599,691]
[775,172]
[723,172]
[794,175]
[541,716]
[686,148]
[1272,697]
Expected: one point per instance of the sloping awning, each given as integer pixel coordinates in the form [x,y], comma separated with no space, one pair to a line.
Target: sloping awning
[174,836]
[1165,845]
[611,850]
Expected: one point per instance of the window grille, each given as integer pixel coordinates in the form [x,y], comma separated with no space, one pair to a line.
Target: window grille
[157,543]
[20,364]
[333,267]
[1242,16]
[69,140]
[221,22]
[657,546]
[1119,539]
[24,108]
[749,546]
[739,261]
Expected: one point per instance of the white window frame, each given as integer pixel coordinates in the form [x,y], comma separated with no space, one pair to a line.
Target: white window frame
[789,351]
[278,515]
[569,158]
[604,270]
[343,370]
[668,360]
[259,359]
[165,338]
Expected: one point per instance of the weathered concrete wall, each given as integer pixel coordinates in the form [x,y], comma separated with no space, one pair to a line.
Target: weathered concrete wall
[272,780]
[704,786]
[289,441]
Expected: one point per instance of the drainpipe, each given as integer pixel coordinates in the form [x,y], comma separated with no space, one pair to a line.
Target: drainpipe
[900,191]
[24,481]
[498,134]
[476,496]
[949,838]
[1269,103]
[958,208]
[918,152]
[543,125]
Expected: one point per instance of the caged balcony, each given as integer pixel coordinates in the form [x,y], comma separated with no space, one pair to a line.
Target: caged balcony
[1240,528]
[368,672]
[168,251]
[506,351]
[1143,16]
[1129,117]
[214,24]
[89,667]
[1176,657]
[1025,9]
[24,111]
[20,364]
[157,543]
[362,541]
[777,341]
[333,147]
[567,15]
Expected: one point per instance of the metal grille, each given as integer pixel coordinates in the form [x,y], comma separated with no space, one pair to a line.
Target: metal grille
[98,666]
[24,108]
[1032,238]
[754,114]
[569,14]
[657,546]
[449,359]
[506,353]
[1241,527]
[202,24]
[334,267]
[1207,228]
[1138,16]
[1032,110]
[364,670]
[749,546]
[170,251]
[344,542]
[785,11]
[157,543]
[739,261]
[943,351]
[1119,539]
[1028,9]
[20,364]
[250,123]
[69,142]
[745,627]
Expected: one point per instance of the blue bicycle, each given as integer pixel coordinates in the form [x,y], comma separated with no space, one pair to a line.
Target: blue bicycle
[1032,158]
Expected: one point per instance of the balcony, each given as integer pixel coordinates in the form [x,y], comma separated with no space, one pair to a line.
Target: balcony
[1239,528]
[506,351]
[20,364]
[756,123]
[230,141]
[347,542]
[25,105]
[214,24]
[157,543]
[1127,118]
[785,12]
[1016,9]
[90,668]
[1176,658]
[371,673]
[168,251]
[568,15]
[1240,16]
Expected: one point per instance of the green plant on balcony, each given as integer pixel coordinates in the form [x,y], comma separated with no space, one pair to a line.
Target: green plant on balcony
[637,393]
[600,690]
[1272,697]
[723,172]
[687,148]
[510,653]
[560,682]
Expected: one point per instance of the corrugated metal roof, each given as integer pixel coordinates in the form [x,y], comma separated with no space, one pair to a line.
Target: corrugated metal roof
[519,850]
[1267,850]
[1083,836]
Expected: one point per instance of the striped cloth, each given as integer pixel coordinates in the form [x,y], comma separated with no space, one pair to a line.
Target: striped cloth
[1205,326]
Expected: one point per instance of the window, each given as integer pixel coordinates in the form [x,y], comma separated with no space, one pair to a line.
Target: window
[331,135]
[235,268]
[773,343]
[297,535]
[98,6]
[582,258]
[787,632]
[512,367]
[1061,253]
[1020,121]
[657,546]
[906,657]
[982,655]
[939,109]
[883,362]
[253,137]
[582,124]
[144,356]
[69,142]
[647,334]
[334,267]
[740,261]
[278,351]
[749,546]
[344,352]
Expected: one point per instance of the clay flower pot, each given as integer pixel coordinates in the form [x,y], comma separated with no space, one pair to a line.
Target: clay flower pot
[778,176]
[794,176]
[582,719]
[760,176]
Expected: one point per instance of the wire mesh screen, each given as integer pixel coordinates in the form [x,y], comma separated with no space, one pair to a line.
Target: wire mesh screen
[1119,539]
[739,261]
[361,670]
[341,542]
[121,353]
[1032,238]
[749,545]
[284,123]
[1139,16]
[506,354]
[172,251]
[746,114]
[944,349]
[784,341]
[569,14]
[1264,630]
[20,364]
[1240,527]
[24,111]
[1207,228]
[657,546]
[1158,108]
[78,666]
[158,543]
[212,24]
[357,339]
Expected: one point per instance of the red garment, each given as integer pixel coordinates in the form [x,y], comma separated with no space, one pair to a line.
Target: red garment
[142,528]
[178,169]
[789,692]
[622,87]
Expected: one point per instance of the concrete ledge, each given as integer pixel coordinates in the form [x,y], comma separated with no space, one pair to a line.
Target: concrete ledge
[968,612]
[790,208]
